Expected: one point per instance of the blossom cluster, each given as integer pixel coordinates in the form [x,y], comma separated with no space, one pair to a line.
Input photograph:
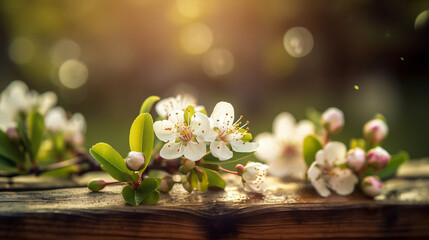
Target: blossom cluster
[190,149]
[33,127]
[298,150]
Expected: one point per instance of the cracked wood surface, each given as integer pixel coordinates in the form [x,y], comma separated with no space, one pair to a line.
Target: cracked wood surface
[289,209]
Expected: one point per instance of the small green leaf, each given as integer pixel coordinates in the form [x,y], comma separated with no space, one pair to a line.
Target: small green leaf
[214,178]
[199,180]
[146,193]
[36,128]
[151,199]
[210,159]
[148,103]
[142,137]
[391,168]
[149,185]
[9,150]
[112,162]
[189,112]
[132,197]
[310,147]
[357,143]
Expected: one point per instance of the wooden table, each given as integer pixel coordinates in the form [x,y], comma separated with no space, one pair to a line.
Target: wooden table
[289,209]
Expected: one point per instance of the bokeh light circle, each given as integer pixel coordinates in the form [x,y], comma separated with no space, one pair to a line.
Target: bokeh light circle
[217,62]
[298,42]
[422,20]
[73,73]
[63,50]
[196,38]
[189,8]
[21,50]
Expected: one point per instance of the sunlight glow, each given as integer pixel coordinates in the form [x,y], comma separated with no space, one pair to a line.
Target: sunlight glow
[196,38]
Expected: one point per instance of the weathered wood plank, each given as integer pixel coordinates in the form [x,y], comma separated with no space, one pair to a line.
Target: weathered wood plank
[288,210]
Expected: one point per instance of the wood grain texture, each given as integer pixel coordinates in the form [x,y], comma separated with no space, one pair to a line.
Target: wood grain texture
[289,210]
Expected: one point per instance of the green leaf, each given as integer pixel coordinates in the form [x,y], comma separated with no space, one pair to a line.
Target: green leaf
[36,128]
[189,112]
[391,168]
[112,162]
[146,193]
[214,178]
[152,198]
[310,147]
[199,180]
[148,103]
[9,150]
[149,185]
[132,197]
[210,159]
[357,143]
[7,165]
[22,130]
[142,137]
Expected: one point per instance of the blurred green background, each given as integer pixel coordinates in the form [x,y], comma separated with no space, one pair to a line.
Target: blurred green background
[104,57]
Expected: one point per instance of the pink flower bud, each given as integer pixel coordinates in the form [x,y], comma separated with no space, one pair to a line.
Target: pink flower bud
[96,185]
[375,131]
[378,157]
[371,186]
[356,158]
[240,169]
[332,120]
[167,184]
[135,161]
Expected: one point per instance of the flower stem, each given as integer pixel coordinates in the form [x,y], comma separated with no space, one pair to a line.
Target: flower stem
[226,170]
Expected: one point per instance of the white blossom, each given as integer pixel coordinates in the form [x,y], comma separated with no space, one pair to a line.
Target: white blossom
[56,121]
[228,132]
[282,149]
[179,103]
[181,138]
[254,176]
[332,119]
[326,172]
[18,99]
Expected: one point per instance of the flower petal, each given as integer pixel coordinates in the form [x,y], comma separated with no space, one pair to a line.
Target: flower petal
[194,151]
[223,115]
[269,149]
[164,106]
[172,150]
[176,117]
[200,126]
[320,158]
[47,101]
[318,182]
[304,128]
[343,182]
[335,152]
[284,127]
[164,130]
[255,187]
[240,146]
[220,150]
